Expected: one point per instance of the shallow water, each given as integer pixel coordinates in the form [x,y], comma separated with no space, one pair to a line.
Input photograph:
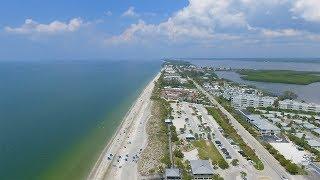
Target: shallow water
[56,116]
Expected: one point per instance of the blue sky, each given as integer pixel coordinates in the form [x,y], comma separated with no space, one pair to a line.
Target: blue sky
[144,29]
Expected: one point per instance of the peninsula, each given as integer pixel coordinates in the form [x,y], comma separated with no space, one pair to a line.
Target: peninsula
[280,76]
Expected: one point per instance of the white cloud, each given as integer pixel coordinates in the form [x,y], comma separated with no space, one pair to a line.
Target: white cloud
[281,33]
[131,33]
[31,27]
[307,9]
[199,19]
[130,12]
[210,21]
[108,13]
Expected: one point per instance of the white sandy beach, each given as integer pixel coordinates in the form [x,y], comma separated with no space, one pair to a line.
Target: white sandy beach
[119,158]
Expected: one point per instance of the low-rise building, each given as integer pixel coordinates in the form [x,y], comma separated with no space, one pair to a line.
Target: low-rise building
[317,130]
[299,106]
[310,126]
[168,121]
[275,120]
[172,173]
[314,143]
[302,135]
[201,169]
[190,137]
[261,124]
[249,100]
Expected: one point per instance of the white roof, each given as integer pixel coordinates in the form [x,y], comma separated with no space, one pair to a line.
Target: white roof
[261,123]
[172,172]
[300,135]
[275,119]
[309,126]
[201,167]
[317,130]
[313,143]
[189,136]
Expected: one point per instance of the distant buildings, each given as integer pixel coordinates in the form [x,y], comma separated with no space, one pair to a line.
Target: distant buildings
[201,169]
[249,100]
[231,91]
[299,106]
[171,75]
[180,94]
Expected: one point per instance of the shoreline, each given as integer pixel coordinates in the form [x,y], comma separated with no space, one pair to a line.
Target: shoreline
[100,168]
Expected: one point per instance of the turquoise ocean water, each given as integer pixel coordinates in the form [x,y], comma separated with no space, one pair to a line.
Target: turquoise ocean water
[55,117]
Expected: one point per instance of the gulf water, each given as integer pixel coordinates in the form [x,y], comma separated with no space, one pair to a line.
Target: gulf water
[56,116]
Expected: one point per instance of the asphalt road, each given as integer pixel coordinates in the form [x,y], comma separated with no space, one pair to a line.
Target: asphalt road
[272,166]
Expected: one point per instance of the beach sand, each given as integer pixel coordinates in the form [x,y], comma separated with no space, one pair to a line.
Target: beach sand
[119,158]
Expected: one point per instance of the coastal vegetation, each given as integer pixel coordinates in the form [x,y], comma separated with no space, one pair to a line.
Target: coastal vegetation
[288,95]
[280,76]
[157,135]
[232,133]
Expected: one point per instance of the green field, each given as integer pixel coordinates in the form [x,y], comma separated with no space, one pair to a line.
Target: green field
[207,150]
[280,76]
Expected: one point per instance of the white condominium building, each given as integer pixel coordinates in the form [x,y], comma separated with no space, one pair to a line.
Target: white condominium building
[249,100]
[299,106]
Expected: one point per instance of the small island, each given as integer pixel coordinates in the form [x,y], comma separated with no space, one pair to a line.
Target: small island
[281,76]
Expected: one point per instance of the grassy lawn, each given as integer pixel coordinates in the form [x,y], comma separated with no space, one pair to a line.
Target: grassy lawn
[232,133]
[280,76]
[207,150]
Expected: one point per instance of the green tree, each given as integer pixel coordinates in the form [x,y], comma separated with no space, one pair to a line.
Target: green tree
[177,153]
[288,95]
[235,162]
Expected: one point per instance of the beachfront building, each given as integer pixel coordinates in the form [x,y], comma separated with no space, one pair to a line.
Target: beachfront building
[168,121]
[201,169]
[261,124]
[172,173]
[299,106]
[249,100]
